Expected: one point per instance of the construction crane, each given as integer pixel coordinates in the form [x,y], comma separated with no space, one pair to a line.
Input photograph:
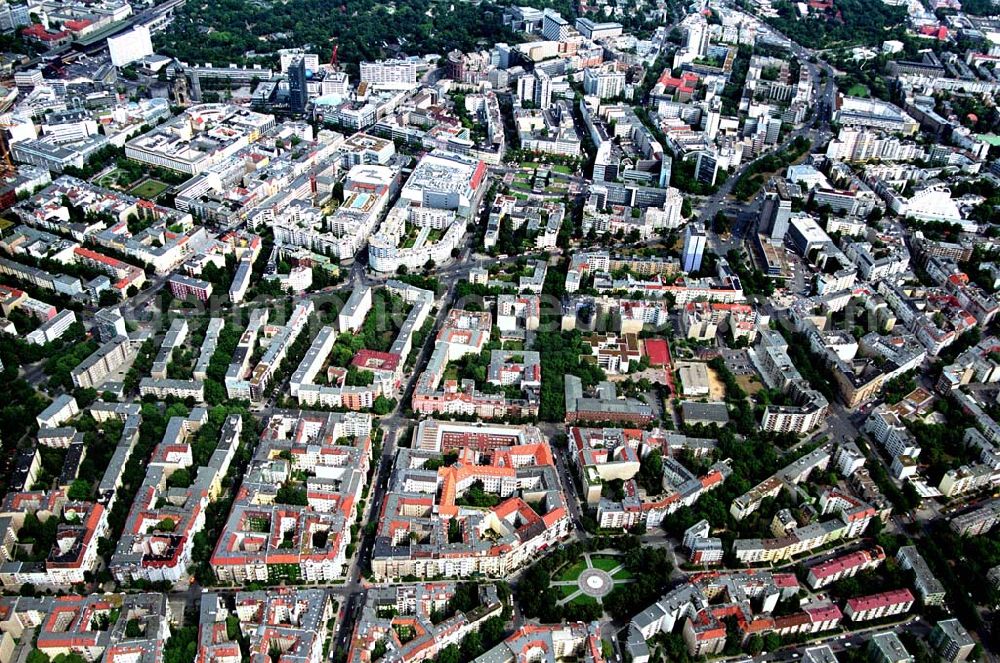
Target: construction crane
[317,115]
[334,64]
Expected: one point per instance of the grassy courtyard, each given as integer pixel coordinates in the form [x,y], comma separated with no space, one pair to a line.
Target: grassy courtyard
[608,564]
[858,90]
[149,189]
[583,599]
[573,571]
[115,178]
[622,574]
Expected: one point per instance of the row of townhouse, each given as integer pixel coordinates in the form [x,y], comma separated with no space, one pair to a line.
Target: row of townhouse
[300,619]
[466,333]
[853,516]
[681,488]
[979,521]
[327,455]
[702,606]
[136,626]
[252,384]
[73,556]
[794,473]
[844,566]
[386,367]
[387,609]
[158,538]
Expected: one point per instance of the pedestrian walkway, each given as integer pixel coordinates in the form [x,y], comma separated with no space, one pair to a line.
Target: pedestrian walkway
[594,581]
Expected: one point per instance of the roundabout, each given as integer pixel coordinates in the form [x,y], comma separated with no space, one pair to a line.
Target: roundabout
[596,583]
[591,578]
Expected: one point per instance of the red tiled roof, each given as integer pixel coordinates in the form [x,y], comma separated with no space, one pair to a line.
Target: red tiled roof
[883,600]
[39,32]
[373,359]
[77,25]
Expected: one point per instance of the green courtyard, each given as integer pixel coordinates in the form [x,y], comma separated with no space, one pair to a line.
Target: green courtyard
[149,189]
[115,178]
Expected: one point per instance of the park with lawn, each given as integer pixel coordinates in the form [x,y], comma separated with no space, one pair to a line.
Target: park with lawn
[581,581]
[539,180]
[143,187]
[590,578]
[858,90]
[149,189]
[116,178]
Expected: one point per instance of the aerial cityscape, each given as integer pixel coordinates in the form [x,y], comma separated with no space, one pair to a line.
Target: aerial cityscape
[600,331]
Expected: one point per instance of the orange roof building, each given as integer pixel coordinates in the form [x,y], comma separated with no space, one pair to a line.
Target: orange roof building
[473,509]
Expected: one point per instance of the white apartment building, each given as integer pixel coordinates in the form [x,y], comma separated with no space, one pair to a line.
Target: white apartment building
[595,31]
[967,479]
[107,359]
[554,26]
[390,74]
[877,606]
[884,425]
[386,252]
[182,389]
[52,329]
[60,410]
[352,315]
[604,83]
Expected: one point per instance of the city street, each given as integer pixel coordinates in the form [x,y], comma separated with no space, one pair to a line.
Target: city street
[441,142]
